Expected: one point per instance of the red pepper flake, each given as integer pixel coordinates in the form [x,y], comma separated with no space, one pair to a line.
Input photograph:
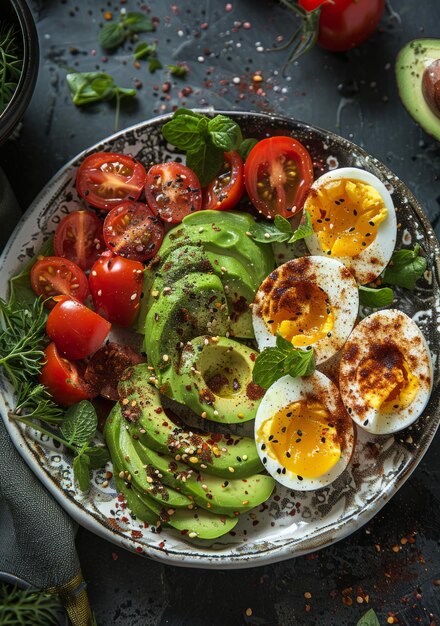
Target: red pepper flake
[162,545]
[125,520]
[139,550]
[136,534]
[252,356]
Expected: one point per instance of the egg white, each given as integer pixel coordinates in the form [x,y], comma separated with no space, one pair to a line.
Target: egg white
[369,263]
[340,287]
[284,392]
[383,326]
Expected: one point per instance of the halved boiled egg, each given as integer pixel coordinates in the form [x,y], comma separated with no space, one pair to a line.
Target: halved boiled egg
[311,301]
[385,372]
[304,436]
[353,220]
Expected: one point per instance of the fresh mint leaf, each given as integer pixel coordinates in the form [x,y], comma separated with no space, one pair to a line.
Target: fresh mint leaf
[369,619]
[136,22]
[375,298]
[144,50]
[303,230]
[81,471]
[79,424]
[184,132]
[268,367]
[245,147]
[282,224]
[225,133]
[98,456]
[273,363]
[112,35]
[154,64]
[184,111]
[206,162]
[405,268]
[180,71]
[88,87]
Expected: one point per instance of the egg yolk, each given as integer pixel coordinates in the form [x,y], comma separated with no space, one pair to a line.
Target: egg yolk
[385,380]
[345,215]
[302,314]
[302,438]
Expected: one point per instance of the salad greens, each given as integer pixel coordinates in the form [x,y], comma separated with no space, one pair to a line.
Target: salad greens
[405,268]
[281,230]
[273,363]
[375,298]
[114,34]
[11,62]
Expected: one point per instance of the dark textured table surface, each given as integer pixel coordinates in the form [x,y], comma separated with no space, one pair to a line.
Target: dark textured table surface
[393,564]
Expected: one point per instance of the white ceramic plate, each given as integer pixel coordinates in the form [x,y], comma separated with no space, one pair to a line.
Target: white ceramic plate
[289,524]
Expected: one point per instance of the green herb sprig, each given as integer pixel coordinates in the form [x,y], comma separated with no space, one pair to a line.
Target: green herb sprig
[114,34]
[245,147]
[77,431]
[405,268]
[11,62]
[203,139]
[179,71]
[273,363]
[89,87]
[281,230]
[21,607]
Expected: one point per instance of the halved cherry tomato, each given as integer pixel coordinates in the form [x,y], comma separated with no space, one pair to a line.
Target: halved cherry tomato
[344,24]
[172,191]
[78,237]
[55,276]
[132,230]
[225,191]
[278,174]
[116,286]
[62,379]
[105,179]
[76,330]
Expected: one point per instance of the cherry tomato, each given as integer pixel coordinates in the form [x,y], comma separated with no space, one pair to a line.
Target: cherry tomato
[132,230]
[62,379]
[116,286]
[78,237]
[278,173]
[172,191]
[105,179]
[55,276]
[225,191]
[344,24]
[76,330]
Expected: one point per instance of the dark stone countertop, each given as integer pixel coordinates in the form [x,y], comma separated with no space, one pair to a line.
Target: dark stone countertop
[394,559]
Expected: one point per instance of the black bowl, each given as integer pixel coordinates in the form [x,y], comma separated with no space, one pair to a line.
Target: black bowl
[17,11]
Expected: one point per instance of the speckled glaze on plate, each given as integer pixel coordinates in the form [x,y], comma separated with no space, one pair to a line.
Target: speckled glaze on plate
[290,523]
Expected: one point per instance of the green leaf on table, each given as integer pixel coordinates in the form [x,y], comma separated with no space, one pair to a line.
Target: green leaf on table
[88,87]
[79,423]
[136,22]
[144,50]
[405,268]
[81,471]
[304,230]
[112,35]
[98,456]
[224,133]
[154,64]
[206,162]
[375,298]
[245,147]
[184,132]
[180,71]
[369,619]
[273,363]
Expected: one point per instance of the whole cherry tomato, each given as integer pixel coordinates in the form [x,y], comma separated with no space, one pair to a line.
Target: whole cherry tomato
[278,174]
[344,24]
[76,330]
[105,179]
[225,191]
[62,379]
[116,286]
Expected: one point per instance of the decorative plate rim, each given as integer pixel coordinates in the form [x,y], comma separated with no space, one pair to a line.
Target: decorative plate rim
[190,557]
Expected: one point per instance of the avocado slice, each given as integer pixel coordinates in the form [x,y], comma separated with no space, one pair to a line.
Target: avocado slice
[412,72]
[193,523]
[213,452]
[224,497]
[194,304]
[214,379]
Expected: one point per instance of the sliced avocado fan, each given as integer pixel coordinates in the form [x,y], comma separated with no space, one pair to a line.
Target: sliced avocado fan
[418,81]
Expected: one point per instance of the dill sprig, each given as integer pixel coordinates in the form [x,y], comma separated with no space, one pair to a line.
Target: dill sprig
[21,607]
[11,62]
